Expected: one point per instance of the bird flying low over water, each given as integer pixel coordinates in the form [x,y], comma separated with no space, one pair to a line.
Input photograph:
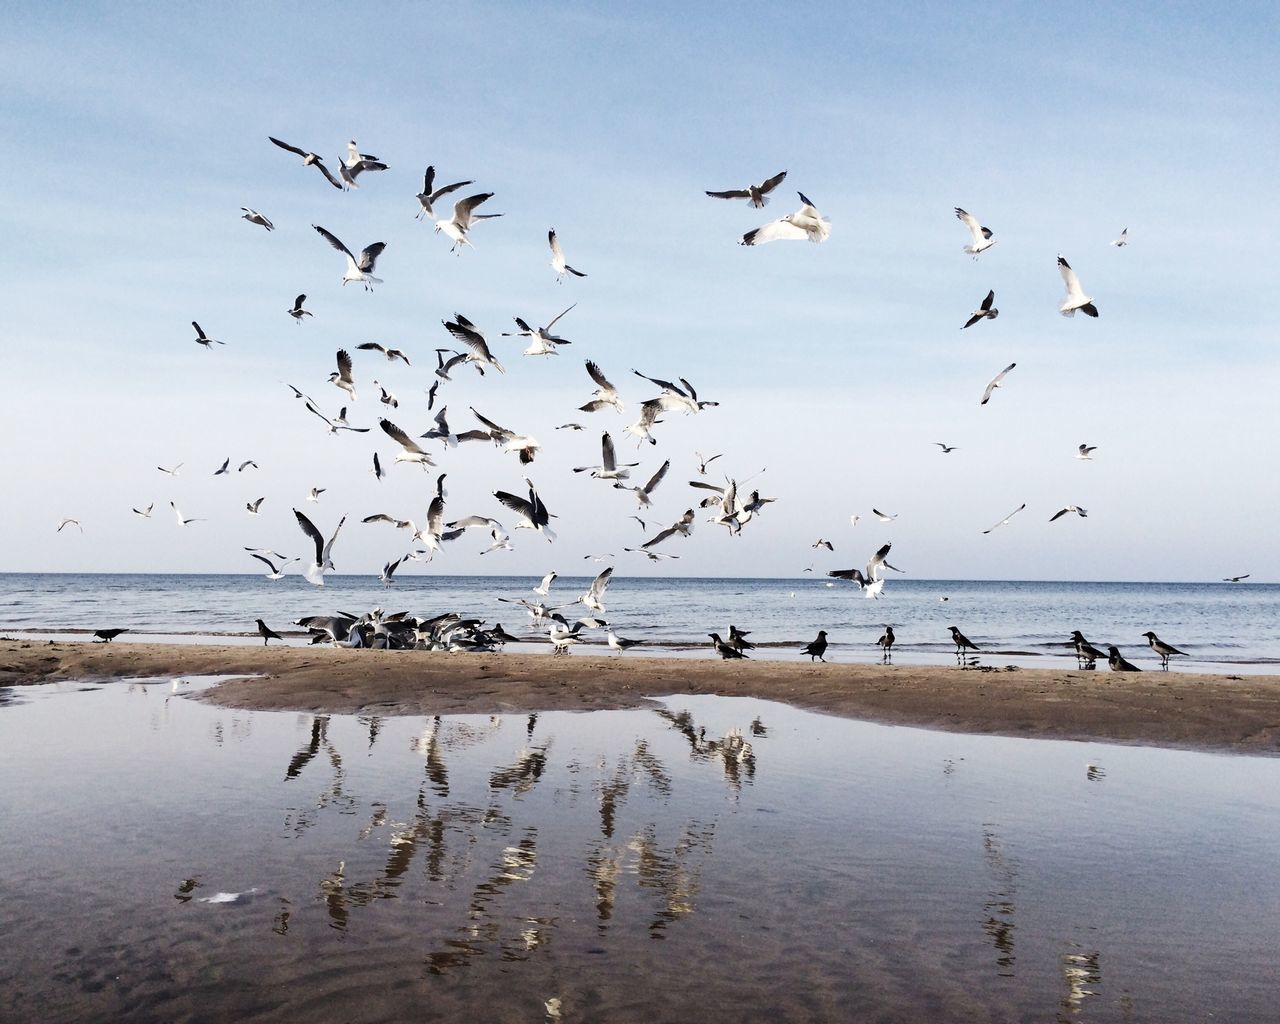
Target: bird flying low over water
[323,549]
[806,222]
[869,579]
[995,382]
[254,217]
[1082,513]
[361,269]
[1076,298]
[984,312]
[309,159]
[1005,520]
[429,194]
[757,194]
[277,571]
[204,339]
[557,258]
[594,597]
[458,227]
[982,237]
[1225,579]
[297,312]
[533,513]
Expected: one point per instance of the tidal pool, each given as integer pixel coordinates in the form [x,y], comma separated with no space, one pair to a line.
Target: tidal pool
[705,859]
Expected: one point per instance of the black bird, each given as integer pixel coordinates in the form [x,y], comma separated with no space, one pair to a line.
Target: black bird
[961,641]
[267,633]
[107,635]
[817,648]
[1163,649]
[1086,654]
[1117,662]
[886,643]
[726,651]
[739,639]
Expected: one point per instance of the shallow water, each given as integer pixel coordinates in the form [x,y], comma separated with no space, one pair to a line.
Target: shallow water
[169,860]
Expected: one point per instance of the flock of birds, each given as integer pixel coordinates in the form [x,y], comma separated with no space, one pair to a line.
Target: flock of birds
[729,504]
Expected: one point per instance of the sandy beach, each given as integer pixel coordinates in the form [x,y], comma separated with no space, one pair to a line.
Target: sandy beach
[1207,712]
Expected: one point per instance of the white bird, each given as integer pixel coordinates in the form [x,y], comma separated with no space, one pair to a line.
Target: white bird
[253,506]
[171,472]
[984,312]
[606,395]
[356,163]
[532,511]
[145,513]
[883,516]
[757,194]
[621,643]
[315,492]
[340,423]
[594,597]
[557,258]
[387,397]
[544,587]
[182,520]
[541,341]
[1085,451]
[254,217]
[388,571]
[608,468]
[342,376]
[277,572]
[995,383]
[69,522]
[499,541]
[465,331]
[868,580]
[392,354]
[806,222]
[704,462]
[297,312]
[675,398]
[1005,520]
[524,445]
[323,560]
[653,556]
[459,226]
[982,237]
[310,159]
[1076,298]
[682,526]
[643,494]
[429,194]
[1123,240]
[360,269]
[563,636]
[409,450]
[204,339]
[1082,513]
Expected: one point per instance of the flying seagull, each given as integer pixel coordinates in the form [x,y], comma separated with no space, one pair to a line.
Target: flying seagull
[821,543]
[182,520]
[409,450]
[1123,240]
[69,522]
[298,312]
[806,222]
[594,597]
[357,269]
[253,506]
[995,383]
[982,237]
[869,579]
[1082,513]
[387,397]
[204,339]
[606,395]
[254,217]
[316,570]
[541,341]
[1076,298]
[884,517]
[1230,579]
[643,494]
[1085,451]
[392,354]
[608,468]
[315,492]
[356,163]
[533,513]
[246,464]
[557,258]
[524,445]
[277,571]
[947,449]
[145,513]
[310,159]
[459,226]
[170,472]
[1163,649]
[224,468]
[465,331]
[757,194]
[1005,520]
[544,587]
[682,526]
[341,377]
[429,194]
[984,311]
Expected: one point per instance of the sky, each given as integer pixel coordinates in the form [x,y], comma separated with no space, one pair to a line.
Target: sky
[137,132]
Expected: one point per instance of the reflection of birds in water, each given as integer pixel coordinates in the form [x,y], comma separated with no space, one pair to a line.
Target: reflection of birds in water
[1000,906]
[1078,971]
[1094,772]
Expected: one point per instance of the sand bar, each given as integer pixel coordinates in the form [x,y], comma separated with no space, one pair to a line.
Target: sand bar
[1174,709]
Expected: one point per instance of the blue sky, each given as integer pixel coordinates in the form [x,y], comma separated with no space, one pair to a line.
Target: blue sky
[138,132]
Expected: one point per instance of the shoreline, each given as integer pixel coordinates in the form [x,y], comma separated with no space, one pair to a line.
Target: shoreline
[1220,713]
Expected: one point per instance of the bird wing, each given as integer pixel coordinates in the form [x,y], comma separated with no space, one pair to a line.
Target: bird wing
[329,545]
[874,562]
[1069,278]
[328,174]
[463,208]
[445,190]
[554,242]
[986,303]
[597,375]
[372,346]
[769,184]
[553,322]
[199,332]
[496,432]
[400,437]
[607,455]
[344,365]
[285,145]
[975,229]
[266,561]
[659,537]
[435,516]
[995,383]
[781,229]
[333,240]
[369,255]
[428,180]
[309,528]
[733,193]
[600,584]
[520,506]
[657,477]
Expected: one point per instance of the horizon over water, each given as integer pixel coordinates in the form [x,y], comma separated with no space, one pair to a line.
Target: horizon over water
[1222,627]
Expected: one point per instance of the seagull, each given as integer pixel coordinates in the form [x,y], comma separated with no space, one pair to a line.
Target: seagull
[182,521]
[682,526]
[277,572]
[675,398]
[1086,451]
[726,651]
[816,648]
[820,543]
[1082,513]
[499,541]
[703,463]
[224,468]
[316,570]
[947,449]
[387,397]
[253,506]
[392,354]
[606,395]
[524,444]
[389,570]
[69,522]
[621,643]
[571,426]
[557,258]
[145,513]
[608,468]
[171,472]
[885,643]
[869,579]
[355,164]
[653,556]
[431,395]
[961,641]
[107,635]
[341,377]
[594,597]
[340,423]
[267,633]
[884,517]
[204,339]
[648,417]
[1225,579]
[443,366]
[644,493]
[1076,298]
[378,472]
[1086,654]
[1163,649]
[1117,662]
[254,217]
[758,194]
[429,194]
[298,312]
[541,341]
[1005,520]
[314,494]
[982,238]
[357,269]
[1123,240]
[245,465]
[806,222]
[465,331]
[544,587]
[533,513]
[464,216]
[310,159]
[995,383]
[409,450]
[983,312]
[563,636]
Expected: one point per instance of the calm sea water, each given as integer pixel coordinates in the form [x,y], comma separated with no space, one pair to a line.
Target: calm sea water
[166,860]
[1222,627]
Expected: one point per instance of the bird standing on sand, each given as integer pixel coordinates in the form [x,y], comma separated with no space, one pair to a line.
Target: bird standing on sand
[1086,654]
[739,640]
[1117,662]
[726,651]
[107,635]
[267,633]
[1163,649]
[816,648]
[621,643]
[886,643]
[961,641]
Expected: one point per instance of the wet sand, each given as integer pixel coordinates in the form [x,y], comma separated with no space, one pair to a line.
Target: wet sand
[1174,709]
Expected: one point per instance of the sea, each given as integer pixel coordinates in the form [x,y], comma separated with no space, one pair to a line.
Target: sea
[1221,627]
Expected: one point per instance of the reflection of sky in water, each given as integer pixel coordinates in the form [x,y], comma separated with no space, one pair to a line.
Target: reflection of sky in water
[710,858]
